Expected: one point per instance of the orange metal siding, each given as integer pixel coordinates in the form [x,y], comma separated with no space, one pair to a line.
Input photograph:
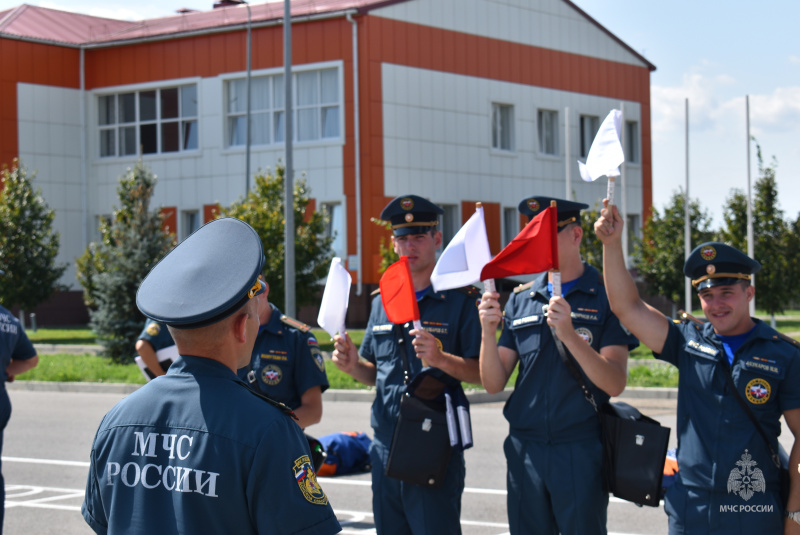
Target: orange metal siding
[33,63]
[170,214]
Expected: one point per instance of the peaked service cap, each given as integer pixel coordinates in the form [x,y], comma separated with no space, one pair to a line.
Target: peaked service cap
[567,211]
[205,278]
[411,214]
[718,264]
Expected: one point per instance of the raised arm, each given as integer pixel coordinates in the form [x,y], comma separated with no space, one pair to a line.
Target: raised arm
[645,322]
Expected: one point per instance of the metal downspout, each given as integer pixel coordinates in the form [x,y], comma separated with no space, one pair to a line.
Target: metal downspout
[357,142]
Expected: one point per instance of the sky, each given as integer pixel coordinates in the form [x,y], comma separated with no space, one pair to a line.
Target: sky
[712,53]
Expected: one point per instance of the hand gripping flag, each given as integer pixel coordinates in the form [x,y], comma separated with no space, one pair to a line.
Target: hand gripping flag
[535,249]
[397,293]
[461,262]
[605,154]
[335,298]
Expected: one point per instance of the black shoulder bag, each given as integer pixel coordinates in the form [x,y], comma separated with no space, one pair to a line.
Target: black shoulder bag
[634,446]
[783,470]
[420,451]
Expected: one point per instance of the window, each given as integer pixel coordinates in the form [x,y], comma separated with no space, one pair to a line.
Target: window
[334,227]
[503,127]
[448,223]
[632,141]
[589,126]
[548,131]
[156,121]
[317,108]
[190,221]
[510,225]
[634,230]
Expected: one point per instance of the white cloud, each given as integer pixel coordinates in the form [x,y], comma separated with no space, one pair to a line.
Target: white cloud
[794,60]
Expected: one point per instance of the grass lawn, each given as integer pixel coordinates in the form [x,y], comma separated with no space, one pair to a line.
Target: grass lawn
[90,368]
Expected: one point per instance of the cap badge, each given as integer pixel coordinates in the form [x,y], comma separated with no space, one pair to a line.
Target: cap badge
[409,218]
[533,204]
[254,290]
[710,269]
[708,253]
[407,204]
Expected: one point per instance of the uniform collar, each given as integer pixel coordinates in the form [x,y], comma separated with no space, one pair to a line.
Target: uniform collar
[189,364]
[429,293]
[587,283]
[274,325]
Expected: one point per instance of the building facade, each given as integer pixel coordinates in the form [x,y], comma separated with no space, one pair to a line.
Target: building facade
[459,101]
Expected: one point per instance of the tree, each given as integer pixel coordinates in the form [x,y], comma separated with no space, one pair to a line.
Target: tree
[28,244]
[660,253]
[386,250]
[771,237]
[263,209]
[591,246]
[111,271]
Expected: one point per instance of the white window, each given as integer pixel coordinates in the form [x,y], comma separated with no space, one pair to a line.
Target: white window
[502,127]
[632,141]
[448,223]
[510,225]
[548,131]
[190,221]
[335,227]
[317,108]
[155,121]
[589,126]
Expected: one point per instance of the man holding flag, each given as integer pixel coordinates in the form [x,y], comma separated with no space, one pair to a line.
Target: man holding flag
[449,342]
[554,450]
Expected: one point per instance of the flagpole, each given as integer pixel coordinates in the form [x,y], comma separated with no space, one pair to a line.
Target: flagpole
[556,273]
[488,284]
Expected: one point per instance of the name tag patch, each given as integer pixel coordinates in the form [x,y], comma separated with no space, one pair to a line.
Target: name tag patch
[527,320]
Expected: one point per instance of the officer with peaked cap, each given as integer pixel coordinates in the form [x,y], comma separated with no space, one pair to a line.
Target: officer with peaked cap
[554,450]
[197,451]
[449,343]
[733,368]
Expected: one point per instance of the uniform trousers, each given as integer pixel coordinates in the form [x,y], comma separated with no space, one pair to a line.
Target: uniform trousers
[405,508]
[555,488]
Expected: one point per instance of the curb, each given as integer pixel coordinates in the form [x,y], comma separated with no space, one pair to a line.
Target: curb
[367,395]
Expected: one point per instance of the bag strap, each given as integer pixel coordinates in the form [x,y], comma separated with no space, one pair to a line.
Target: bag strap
[573,368]
[401,336]
[776,460]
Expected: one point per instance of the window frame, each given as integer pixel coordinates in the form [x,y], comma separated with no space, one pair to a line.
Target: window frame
[272,114]
[553,131]
[501,142]
[632,145]
[117,130]
[587,135]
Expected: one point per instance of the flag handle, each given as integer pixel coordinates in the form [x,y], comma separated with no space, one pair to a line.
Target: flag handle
[610,192]
[488,285]
[418,326]
[556,282]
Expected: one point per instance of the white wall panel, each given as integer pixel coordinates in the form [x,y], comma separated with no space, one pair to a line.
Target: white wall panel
[445,153]
[548,24]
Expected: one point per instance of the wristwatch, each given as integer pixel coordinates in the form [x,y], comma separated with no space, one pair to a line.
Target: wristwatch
[794,515]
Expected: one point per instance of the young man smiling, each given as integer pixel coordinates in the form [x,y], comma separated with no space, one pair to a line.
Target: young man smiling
[727,482]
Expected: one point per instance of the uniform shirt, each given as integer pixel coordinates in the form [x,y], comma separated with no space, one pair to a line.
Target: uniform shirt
[713,429]
[157,334]
[451,316]
[198,452]
[547,403]
[14,343]
[286,362]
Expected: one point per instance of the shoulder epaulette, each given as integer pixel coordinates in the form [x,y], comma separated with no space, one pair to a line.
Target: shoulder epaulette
[375,292]
[688,318]
[277,404]
[291,322]
[470,291]
[523,287]
[789,339]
